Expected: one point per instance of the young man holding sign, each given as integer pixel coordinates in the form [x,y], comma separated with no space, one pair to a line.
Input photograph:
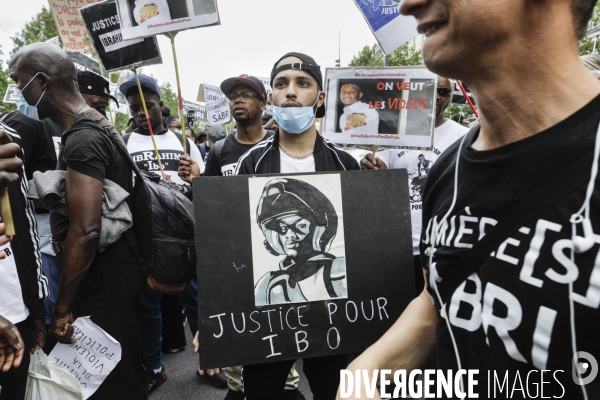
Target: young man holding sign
[296,147]
[511,213]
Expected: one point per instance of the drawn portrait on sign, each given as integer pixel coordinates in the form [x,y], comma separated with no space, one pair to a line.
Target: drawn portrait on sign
[298,240]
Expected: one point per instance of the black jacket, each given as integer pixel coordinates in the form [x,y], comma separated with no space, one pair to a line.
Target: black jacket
[264,158]
[25,245]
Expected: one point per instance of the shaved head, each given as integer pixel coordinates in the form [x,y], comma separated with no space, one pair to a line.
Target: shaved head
[47,78]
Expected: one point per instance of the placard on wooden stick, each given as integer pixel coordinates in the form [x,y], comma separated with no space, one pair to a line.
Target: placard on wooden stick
[296,266]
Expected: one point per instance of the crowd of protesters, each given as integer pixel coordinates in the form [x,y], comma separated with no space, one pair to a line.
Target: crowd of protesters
[524,305]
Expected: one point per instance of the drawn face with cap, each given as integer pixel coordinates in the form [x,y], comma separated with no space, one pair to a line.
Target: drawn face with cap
[290,232]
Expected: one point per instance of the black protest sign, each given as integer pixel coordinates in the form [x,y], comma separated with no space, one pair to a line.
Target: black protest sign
[458,96]
[296,266]
[84,63]
[191,117]
[103,25]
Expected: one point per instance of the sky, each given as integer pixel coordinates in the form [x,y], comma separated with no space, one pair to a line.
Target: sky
[252,36]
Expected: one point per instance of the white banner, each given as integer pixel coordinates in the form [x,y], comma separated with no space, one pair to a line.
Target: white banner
[218,112]
[392,107]
[142,18]
[267,83]
[212,93]
[91,358]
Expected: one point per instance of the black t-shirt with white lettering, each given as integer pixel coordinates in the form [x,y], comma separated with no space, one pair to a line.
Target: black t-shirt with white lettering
[230,153]
[513,313]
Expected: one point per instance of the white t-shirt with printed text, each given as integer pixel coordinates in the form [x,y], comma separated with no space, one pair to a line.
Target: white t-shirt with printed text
[418,164]
[12,306]
[169,146]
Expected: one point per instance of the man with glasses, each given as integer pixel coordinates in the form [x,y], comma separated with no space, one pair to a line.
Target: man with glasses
[418,164]
[357,116]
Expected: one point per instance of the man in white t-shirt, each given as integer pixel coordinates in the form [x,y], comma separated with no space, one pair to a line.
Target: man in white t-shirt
[358,117]
[418,164]
[169,143]
[170,149]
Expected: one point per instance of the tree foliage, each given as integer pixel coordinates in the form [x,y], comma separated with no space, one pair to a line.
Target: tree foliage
[169,98]
[586,46]
[402,56]
[39,29]
[4,82]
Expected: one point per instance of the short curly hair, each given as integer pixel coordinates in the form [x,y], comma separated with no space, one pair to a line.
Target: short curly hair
[582,12]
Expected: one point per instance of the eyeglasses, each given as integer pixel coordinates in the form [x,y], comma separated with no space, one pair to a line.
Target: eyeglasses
[444,92]
[243,95]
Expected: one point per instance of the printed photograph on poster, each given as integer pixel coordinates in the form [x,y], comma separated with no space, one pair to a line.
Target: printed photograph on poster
[142,18]
[103,27]
[297,239]
[385,107]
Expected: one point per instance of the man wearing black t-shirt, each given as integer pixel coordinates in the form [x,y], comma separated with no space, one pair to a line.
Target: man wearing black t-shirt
[104,285]
[528,316]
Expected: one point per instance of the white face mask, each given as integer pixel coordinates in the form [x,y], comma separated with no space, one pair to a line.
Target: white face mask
[22,104]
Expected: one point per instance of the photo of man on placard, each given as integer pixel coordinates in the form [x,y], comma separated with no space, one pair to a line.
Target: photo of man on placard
[299,226]
[157,11]
[357,114]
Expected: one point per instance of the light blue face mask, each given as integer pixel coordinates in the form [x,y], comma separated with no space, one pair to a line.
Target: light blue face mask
[22,104]
[295,120]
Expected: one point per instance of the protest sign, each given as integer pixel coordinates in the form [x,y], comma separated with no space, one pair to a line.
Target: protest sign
[267,83]
[209,93]
[115,92]
[142,18]
[391,29]
[195,110]
[218,112]
[459,98]
[102,23]
[336,290]
[91,358]
[70,26]
[10,93]
[380,106]
[83,62]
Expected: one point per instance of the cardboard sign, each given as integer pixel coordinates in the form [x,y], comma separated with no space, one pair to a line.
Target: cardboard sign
[91,358]
[391,29]
[459,98]
[218,112]
[103,27]
[143,18]
[319,266]
[392,107]
[10,93]
[70,26]
[209,93]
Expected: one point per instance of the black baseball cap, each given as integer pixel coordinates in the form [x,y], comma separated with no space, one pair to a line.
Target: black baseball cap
[91,83]
[252,82]
[145,82]
[309,65]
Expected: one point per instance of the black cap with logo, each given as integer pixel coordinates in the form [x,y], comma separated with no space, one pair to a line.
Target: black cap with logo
[252,82]
[91,83]
[309,65]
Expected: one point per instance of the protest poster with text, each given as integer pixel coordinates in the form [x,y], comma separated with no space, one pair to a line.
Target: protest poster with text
[218,112]
[93,356]
[459,98]
[83,62]
[391,29]
[386,107]
[142,18]
[197,110]
[70,26]
[335,288]
[10,94]
[209,93]
[102,23]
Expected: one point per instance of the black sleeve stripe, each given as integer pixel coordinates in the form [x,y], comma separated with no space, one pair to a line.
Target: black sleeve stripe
[246,154]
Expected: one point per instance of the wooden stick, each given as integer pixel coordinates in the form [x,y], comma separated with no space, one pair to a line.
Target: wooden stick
[9,224]
[137,79]
[171,36]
